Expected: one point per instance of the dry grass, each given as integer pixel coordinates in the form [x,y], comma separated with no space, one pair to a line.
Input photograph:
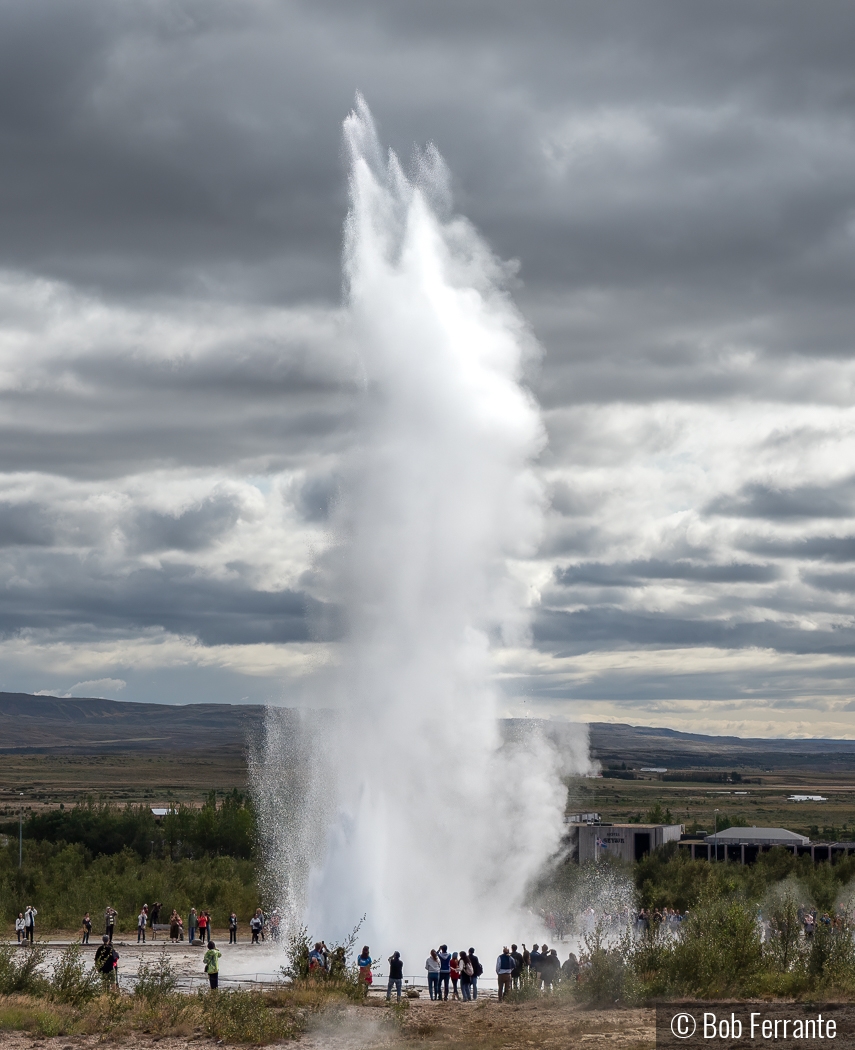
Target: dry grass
[328,1020]
[547,1023]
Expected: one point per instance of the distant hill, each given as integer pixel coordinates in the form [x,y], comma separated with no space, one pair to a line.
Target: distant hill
[85,725]
[91,725]
[656,746]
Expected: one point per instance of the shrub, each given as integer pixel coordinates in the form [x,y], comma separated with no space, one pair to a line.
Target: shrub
[343,973]
[21,970]
[607,975]
[244,1017]
[783,949]
[529,988]
[719,949]
[831,958]
[155,980]
[72,981]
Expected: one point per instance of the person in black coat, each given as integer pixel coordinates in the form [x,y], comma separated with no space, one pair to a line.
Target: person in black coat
[396,974]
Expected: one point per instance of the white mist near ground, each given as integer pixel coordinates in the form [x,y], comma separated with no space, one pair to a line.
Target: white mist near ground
[410,809]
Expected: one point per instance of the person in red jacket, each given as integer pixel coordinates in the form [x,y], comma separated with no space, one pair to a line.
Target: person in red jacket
[203,927]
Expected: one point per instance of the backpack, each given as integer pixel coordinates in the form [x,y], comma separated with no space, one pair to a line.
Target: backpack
[477,968]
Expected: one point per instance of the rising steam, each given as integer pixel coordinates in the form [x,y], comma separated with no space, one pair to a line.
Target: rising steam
[409,808]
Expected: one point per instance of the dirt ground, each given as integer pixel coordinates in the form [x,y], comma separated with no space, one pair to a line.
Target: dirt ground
[485,1025]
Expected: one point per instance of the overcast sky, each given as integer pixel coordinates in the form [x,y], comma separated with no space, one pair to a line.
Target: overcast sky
[677,183]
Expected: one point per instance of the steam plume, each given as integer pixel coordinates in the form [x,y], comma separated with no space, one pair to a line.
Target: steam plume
[428,823]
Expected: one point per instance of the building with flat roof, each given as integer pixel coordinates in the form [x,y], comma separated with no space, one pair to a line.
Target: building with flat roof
[759,837]
[626,842]
[744,845]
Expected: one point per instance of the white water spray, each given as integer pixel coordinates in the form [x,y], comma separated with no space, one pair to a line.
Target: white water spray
[419,816]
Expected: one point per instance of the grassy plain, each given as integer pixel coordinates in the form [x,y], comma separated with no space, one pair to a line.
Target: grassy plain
[764,804]
[44,781]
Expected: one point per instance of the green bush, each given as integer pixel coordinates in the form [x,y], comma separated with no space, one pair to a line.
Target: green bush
[245,1017]
[21,970]
[343,973]
[607,976]
[72,980]
[784,949]
[155,980]
[830,960]
[719,949]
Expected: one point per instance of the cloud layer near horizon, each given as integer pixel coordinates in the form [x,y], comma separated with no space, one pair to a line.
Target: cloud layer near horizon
[176,389]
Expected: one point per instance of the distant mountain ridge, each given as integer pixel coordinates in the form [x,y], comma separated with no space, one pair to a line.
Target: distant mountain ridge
[91,725]
[83,725]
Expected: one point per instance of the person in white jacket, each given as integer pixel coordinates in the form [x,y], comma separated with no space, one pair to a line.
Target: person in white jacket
[30,923]
[433,966]
[19,927]
[142,922]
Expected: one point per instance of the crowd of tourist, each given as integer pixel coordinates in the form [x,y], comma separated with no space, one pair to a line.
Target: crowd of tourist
[152,919]
[454,975]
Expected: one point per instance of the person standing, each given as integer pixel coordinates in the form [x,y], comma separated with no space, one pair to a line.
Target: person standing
[570,968]
[154,917]
[454,971]
[30,924]
[364,962]
[20,929]
[550,968]
[202,926]
[87,928]
[142,922]
[212,965]
[516,955]
[107,961]
[466,973]
[534,964]
[317,956]
[504,968]
[444,970]
[432,965]
[255,927]
[192,921]
[477,970]
[233,928]
[110,916]
[396,975]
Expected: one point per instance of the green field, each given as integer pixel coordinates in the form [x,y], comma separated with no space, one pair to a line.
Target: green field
[45,781]
[694,803]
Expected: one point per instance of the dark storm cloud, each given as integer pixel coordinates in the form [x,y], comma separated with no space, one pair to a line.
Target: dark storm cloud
[60,595]
[803,501]
[677,182]
[636,574]
[611,627]
[26,525]
[831,581]
[316,496]
[193,530]
[810,548]
[170,141]
[119,413]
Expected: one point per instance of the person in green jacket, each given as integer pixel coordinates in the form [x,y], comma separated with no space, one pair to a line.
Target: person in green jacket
[212,964]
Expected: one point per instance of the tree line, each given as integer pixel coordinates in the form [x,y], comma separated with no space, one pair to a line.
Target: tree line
[219,828]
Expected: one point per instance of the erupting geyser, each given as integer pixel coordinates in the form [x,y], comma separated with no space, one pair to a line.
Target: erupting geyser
[404,804]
